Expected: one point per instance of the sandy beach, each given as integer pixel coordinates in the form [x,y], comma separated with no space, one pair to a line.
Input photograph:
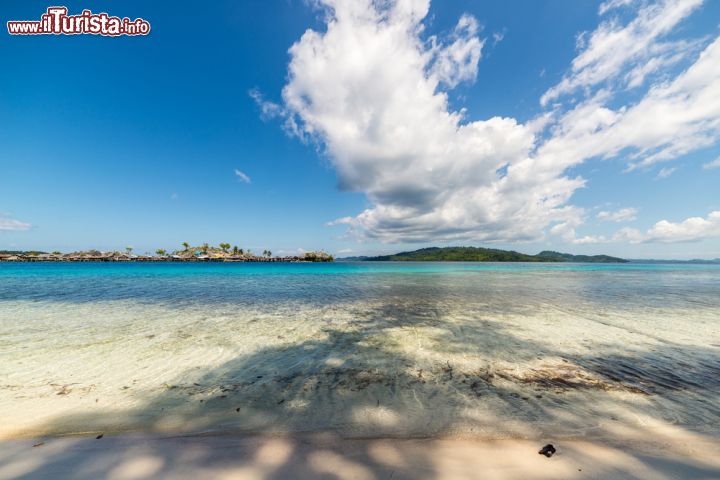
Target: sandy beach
[326,456]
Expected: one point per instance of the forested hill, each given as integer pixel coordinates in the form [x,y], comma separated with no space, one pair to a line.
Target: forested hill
[478,254]
[566,257]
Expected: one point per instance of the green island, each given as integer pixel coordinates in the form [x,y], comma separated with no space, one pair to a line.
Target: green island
[478,254]
[224,252]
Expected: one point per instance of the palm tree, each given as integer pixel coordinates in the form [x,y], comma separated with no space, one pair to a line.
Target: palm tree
[186,245]
[268,253]
[235,250]
[160,252]
[224,247]
[128,250]
[205,247]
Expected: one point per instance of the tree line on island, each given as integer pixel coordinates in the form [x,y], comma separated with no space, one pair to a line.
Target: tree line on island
[478,254]
[224,252]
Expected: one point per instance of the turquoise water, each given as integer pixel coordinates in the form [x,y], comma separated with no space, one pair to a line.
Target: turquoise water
[499,349]
[269,282]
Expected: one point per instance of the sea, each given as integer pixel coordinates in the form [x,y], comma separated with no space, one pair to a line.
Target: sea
[360,349]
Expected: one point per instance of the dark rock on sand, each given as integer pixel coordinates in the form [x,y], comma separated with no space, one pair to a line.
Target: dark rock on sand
[548,450]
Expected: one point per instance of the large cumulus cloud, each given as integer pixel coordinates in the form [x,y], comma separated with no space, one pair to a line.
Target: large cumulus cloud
[372,91]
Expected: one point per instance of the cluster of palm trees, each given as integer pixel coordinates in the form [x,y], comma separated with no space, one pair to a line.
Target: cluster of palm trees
[224,247]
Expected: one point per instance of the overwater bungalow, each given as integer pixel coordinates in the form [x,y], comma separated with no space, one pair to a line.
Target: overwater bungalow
[205,254]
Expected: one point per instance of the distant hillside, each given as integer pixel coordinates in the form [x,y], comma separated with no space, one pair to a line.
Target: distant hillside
[21,252]
[566,257]
[698,261]
[361,258]
[477,254]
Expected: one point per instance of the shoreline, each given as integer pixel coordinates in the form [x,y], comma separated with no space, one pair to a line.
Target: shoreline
[299,456]
[164,260]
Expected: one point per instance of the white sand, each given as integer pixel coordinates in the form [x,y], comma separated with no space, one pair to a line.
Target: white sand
[324,456]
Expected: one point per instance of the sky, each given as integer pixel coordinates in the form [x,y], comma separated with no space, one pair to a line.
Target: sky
[367,127]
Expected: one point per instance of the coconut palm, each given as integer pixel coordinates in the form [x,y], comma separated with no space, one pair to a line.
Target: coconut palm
[224,247]
[128,250]
[205,247]
[161,252]
[186,245]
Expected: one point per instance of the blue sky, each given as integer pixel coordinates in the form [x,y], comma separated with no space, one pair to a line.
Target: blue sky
[109,142]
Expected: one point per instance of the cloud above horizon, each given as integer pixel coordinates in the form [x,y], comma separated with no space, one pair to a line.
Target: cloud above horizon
[622,215]
[713,164]
[242,176]
[626,54]
[372,91]
[8,224]
[693,229]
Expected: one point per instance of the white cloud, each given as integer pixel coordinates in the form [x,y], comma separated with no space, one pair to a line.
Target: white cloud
[369,90]
[622,215]
[665,172]
[372,93]
[713,164]
[693,229]
[498,37]
[10,224]
[690,230]
[268,109]
[566,231]
[613,49]
[241,176]
[458,61]
[613,4]
[672,119]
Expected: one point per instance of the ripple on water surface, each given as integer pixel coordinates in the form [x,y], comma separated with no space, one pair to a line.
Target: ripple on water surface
[358,348]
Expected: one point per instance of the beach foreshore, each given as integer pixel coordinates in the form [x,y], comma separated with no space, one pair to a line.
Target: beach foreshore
[305,456]
[359,371]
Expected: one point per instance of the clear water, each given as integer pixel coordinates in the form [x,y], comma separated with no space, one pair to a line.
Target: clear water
[359,348]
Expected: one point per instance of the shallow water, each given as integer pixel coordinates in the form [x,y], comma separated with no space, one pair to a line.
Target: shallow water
[359,348]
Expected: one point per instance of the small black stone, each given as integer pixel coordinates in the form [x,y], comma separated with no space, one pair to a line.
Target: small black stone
[548,450]
[99,436]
